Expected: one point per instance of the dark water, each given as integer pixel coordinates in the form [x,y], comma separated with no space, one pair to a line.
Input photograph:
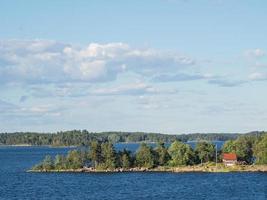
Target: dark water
[15,183]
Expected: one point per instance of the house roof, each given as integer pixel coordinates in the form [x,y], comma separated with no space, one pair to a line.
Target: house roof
[229,156]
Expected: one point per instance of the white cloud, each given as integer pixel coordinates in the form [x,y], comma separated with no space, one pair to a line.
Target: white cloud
[255,53]
[182,77]
[44,61]
[93,69]
[84,89]
[38,109]
[10,111]
[257,76]
[129,89]
[110,50]
[6,107]
[261,65]
[226,82]
[150,102]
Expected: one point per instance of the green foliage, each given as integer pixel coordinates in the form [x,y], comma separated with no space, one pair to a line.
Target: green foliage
[108,155]
[83,138]
[60,162]
[114,138]
[145,156]
[162,155]
[47,163]
[124,159]
[95,153]
[229,147]
[205,151]
[37,167]
[244,147]
[260,150]
[181,154]
[74,159]
[102,155]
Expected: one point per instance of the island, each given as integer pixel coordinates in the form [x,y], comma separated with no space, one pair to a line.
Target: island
[246,153]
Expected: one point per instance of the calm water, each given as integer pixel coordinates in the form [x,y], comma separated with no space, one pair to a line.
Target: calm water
[15,183]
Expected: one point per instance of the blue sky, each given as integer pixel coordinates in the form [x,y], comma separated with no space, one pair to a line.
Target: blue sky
[170,66]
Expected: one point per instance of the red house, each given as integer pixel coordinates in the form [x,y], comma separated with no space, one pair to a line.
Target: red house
[229,159]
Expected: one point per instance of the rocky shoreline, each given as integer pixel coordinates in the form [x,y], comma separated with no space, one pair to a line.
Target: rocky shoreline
[196,168]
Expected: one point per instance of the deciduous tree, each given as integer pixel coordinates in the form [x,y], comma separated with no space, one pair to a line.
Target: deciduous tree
[205,151]
[181,154]
[260,150]
[145,156]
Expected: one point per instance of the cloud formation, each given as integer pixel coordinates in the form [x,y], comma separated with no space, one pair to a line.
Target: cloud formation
[131,89]
[180,77]
[44,61]
[226,83]
[258,76]
[10,110]
[255,53]
[82,90]
[7,107]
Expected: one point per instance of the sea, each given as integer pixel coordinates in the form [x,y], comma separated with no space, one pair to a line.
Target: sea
[16,183]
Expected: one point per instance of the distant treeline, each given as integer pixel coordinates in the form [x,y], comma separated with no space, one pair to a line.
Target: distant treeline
[102,155]
[83,137]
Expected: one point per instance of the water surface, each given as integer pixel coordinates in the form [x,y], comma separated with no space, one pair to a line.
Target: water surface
[15,183]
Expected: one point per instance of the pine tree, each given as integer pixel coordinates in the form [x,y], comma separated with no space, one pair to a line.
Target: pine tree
[108,155]
[95,153]
[162,154]
[145,156]
[47,163]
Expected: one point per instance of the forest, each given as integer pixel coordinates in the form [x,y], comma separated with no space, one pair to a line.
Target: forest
[102,155]
[84,138]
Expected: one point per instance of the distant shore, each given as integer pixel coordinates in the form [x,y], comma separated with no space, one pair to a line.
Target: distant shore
[17,145]
[182,169]
[29,145]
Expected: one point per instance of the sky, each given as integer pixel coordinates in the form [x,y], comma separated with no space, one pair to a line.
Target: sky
[168,66]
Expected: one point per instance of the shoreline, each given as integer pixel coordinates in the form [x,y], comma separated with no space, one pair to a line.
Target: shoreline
[29,145]
[68,146]
[182,169]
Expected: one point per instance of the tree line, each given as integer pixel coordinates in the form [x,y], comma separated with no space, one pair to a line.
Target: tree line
[249,149]
[83,137]
[102,155]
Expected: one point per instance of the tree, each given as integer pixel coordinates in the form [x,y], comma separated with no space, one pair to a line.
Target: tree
[205,151]
[109,155]
[162,154]
[60,162]
[114,138]
[95,153]
[83,137]
[124,159]
[181,154]
[244,145]
[229,147]
[47,163]
[145,156]
[260,150]
[74,160]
